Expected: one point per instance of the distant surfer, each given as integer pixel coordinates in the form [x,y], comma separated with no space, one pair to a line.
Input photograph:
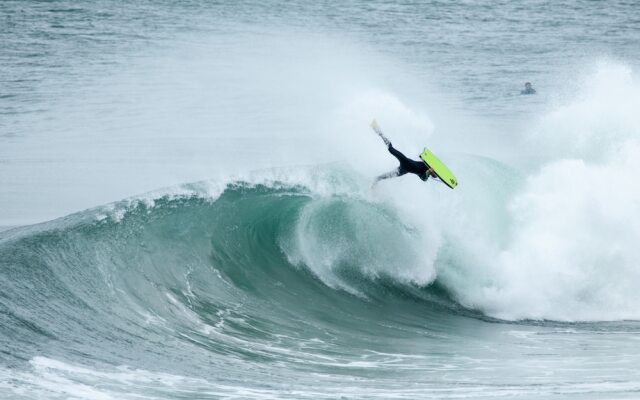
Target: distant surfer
[407,165]
[528,89]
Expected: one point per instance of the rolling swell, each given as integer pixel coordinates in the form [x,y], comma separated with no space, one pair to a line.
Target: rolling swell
[235,276]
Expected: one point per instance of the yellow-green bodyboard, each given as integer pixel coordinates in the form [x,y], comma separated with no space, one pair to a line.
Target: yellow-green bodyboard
[439,168]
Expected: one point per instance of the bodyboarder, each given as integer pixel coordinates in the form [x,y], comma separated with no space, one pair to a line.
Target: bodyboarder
[407,165]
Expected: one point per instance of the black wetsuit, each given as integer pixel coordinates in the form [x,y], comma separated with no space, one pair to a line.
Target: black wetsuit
[409,166]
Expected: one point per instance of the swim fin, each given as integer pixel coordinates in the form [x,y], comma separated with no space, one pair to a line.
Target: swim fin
[377,130]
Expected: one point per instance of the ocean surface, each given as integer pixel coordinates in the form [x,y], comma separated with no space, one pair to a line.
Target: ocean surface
[186,209]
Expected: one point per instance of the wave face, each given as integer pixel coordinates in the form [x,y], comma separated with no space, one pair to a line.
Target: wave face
[239,266]
[229,283]
[276,290]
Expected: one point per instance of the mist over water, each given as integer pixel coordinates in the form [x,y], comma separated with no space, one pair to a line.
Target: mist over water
[206,169]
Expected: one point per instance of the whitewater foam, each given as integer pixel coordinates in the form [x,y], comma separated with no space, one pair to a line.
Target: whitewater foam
[572,252]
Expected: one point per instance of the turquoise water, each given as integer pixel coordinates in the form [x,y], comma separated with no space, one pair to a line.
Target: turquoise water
[186,207]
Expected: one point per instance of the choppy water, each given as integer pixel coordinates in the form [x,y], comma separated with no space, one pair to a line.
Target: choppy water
[205,172]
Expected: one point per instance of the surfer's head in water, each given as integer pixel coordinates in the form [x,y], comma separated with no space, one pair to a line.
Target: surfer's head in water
[528,89]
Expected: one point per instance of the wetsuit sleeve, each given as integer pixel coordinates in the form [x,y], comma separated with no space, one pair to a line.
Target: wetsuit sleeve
[390,174]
